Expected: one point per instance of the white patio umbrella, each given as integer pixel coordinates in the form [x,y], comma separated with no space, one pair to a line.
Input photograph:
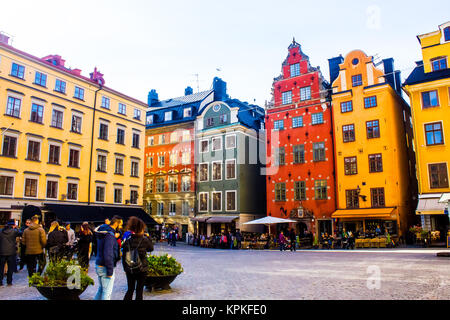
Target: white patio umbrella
[269,220]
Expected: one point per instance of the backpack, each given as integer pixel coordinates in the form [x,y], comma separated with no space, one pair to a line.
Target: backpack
[132,259]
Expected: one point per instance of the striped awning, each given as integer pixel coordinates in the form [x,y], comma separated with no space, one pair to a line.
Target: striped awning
[430,206]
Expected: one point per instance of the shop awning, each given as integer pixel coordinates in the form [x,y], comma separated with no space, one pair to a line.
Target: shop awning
[378,213]
[430,206]
[445,198]
[221,219]
[200,219]
[81,213]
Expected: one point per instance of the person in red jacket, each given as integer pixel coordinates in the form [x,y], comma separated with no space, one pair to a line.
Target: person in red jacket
[282,241]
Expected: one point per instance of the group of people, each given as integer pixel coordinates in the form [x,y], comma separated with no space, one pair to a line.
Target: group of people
[223,240]
[288,241]
[107,242]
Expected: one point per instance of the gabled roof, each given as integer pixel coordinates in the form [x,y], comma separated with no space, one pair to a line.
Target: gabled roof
[418,75]
[196,97]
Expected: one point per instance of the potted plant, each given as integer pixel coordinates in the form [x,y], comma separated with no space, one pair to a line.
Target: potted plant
[162,270]
[61,280]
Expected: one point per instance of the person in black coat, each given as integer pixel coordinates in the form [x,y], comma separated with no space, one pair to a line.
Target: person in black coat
[293,238]
[8,251]
[56,241]
[85,238]
[137,240]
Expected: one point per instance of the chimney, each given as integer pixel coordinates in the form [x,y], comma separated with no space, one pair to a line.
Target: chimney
[220,89]
[152,97]
[188,91]
[55,59]
[4,38]
[390,74]
[96,76]
[333,65]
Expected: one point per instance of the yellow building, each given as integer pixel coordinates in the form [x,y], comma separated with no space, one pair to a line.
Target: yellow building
[428,87]
[373,145]
[66,140]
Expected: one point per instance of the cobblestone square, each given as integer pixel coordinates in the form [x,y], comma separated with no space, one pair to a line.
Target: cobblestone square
[211,274]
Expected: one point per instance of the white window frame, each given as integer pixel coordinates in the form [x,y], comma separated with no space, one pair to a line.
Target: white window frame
[137,199]
[107,129]
[34,139]
[115,164]
[226,141]
[182,183]
[149,119]
[62,120]
[104,193]
[114,194]
[57,188]
[200,145]
[235,169]
[79,115]
[207,172]
[99,153]
[159,161]
[11,175]
[212,201]
[212,143]
[235,200]
[305,93]
[13,135]
[28,176]
[158,208]
[150,141]
[172,213]
[124,108]
[166,115]
[68,157]
[187,112]
[15,96]
[199,201]
[105,98]
[131,168]
[67,190]
[212,170]
[55,144]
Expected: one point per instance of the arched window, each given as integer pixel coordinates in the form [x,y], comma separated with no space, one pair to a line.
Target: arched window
[447,34]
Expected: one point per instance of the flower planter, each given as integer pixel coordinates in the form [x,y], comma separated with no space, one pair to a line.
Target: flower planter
[159,282]
[60,293]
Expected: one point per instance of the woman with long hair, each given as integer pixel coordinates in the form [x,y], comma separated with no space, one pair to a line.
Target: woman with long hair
[57,238]
[142,244]
[85,237]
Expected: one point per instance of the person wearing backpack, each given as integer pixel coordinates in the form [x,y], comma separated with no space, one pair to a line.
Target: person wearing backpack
[134,257]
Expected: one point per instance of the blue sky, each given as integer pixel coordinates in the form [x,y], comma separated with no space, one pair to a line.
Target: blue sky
[141,45]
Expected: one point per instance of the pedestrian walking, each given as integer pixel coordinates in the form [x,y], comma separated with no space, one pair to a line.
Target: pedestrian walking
[8,251]
[71,241]
[282,241]
[293,238]
[238,239]
[85,238]
[35,241]
[56,241]
[134,257]
[107,257]
[22,246]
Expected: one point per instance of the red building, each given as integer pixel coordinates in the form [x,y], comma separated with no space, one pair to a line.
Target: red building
[300,155]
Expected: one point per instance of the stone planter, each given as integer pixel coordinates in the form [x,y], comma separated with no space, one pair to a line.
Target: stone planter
[60,293]
[159,282]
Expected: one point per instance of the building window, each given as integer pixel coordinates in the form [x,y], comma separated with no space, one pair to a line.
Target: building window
[160,209]
[299,190]
[37,113]
[348,132]
[319,151]
[185,208]
[377,196]
[149,119]
[370,102]
[172,209]
[17,70]
[305,93]
[168,116]
[9,146]
[216,201]
[346,106]
[60,86]
[203,201]
[297,122]
[231,169]
[223,118]
[150,141]
[161,161]
[118,195]
[76,123]
[204,146]
[447,34]
[100,194]
[185,184]
[280,155]
[230,142]
[160,185]
[352,199]
[430,99]
[216,171]
[203,174]
[34,150]
[186,158]
[299,153]
[137,114]
[74,156]
[134,196]
[57,119]
[209,122]
[278,125]
[53,154]
[216,143]
[134,169]
[280,191]
[439,63]
[286,97]
[186,136]
[101,163]
[357,80]
[373,129]
[149,185]
[295,69]
[350,166]
[103,133]
[6,185]
[119,166]
[173,184]
[433,133]
[120,136]
[52,189]
[174,137]
[31,187]
[317,118]
[40,79]
[13,107]
[375,163]
[135,143]
[162,139]
[187,112]
[72,191]
[149,162]
[106,102]
[122,108]
[173,159]
[320,189]
[230,200]
[79,93]
[438,175]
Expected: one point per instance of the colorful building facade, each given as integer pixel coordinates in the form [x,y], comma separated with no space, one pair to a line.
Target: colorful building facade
[67,141]
[300,156]
[428,87]
[373,142]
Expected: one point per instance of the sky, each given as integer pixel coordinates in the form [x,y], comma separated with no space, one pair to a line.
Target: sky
[141,45]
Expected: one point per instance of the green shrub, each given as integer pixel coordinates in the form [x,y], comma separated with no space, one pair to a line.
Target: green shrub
[163,265]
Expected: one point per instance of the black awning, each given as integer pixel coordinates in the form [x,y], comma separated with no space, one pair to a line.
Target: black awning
[81,213]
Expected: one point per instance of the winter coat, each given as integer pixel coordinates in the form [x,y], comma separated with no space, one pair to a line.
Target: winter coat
[292,236]
[145,245]
[107,248]
[84,240]
[8,237]
[57,238]
[34,239]
[70,237]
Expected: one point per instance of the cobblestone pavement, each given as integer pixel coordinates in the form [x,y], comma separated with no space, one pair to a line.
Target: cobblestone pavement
[263,274]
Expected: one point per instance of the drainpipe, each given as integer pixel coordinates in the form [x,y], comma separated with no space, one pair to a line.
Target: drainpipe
[92,143]
[333,227]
